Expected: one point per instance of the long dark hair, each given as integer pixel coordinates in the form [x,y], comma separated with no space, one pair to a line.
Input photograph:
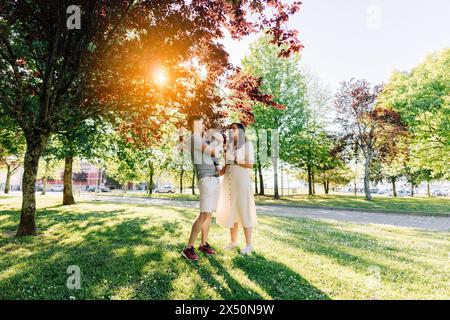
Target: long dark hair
[241,137]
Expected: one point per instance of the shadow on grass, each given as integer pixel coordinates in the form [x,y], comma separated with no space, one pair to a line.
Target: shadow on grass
[327,240]
[275,278]
[114,259]
[234,290]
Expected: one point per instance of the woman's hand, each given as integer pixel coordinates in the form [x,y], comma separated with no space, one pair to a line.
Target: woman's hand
[223,171]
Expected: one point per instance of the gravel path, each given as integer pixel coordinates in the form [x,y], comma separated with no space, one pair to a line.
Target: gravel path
[432,223]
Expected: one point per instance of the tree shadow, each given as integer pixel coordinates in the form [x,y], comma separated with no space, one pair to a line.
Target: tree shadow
[275,278]
[327,240]
[234,289]
[124,255]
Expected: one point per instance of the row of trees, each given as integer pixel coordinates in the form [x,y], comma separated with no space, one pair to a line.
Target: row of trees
[400,129]
[373,132]
[295,131]
[92,93]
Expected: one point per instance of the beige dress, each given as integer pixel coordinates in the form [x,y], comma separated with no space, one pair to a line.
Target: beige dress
[236,200]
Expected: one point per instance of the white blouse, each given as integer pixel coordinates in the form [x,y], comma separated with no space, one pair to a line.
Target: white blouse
[245,154]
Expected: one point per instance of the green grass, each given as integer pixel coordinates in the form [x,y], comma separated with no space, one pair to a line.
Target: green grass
[411,205]
[174,196]
[133,252]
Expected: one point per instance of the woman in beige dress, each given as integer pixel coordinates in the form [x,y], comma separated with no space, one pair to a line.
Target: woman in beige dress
[236,202]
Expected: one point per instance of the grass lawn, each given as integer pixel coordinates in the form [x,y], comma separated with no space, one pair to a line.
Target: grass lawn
[422,205]
[411,205]
[133,252]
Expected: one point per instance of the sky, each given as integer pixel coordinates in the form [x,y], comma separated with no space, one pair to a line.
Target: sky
[364,38]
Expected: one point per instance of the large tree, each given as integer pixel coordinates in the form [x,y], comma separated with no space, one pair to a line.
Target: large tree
[53,77]
[422,97]
[284,83]
[310,151]
[87,141]
[363,121]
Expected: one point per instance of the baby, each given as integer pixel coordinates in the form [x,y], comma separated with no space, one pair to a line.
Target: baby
[215,140]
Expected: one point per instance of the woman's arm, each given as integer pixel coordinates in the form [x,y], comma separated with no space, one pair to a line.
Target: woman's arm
[248,165]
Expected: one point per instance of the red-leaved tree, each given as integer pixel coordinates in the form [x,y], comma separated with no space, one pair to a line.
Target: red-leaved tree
[363,121]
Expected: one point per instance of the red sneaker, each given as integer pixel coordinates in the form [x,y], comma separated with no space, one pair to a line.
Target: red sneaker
[207,249]
[189,253]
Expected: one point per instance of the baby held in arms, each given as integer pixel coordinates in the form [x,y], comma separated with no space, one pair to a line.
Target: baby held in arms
[215,140]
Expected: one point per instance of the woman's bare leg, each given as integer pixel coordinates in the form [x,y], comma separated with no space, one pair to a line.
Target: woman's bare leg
[248,236]
[234,232]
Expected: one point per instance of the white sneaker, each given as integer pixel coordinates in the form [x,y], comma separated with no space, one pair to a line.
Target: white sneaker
[231,246]
[247,250]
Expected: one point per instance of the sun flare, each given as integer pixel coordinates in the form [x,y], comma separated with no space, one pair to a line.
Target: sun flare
[160,77]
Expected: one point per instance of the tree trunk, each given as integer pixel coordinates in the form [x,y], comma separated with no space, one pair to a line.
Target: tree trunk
[35,146]
[44,185]
[310,190]
[354,187]
[261,179]
[8,178]
[275,159]
[259,165]
[313,181]
[412,189]
[428,189]
[255,171]
[193,182]
[150,186]
[68,192]
[181,179]
[326,186]
[276,195]
[367,177]
[394,188]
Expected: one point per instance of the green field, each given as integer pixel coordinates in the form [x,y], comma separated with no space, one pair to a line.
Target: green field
[133,252]
[411,205]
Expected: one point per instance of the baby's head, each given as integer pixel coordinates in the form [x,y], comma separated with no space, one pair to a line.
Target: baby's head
[214,135]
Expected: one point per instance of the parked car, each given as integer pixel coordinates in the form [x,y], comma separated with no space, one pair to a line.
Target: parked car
[400,193]
[99,189]
[57,188]
[440,193]
[422,192]
[165,189]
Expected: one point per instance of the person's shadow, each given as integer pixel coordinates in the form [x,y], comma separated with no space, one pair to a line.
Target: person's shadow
[234,290]
[277,279]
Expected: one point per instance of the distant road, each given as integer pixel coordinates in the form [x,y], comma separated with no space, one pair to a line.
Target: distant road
[433,223]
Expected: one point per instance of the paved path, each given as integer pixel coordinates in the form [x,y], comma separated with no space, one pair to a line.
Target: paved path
[433,223]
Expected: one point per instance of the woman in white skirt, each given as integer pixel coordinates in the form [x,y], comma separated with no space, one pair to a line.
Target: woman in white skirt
[236,201]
